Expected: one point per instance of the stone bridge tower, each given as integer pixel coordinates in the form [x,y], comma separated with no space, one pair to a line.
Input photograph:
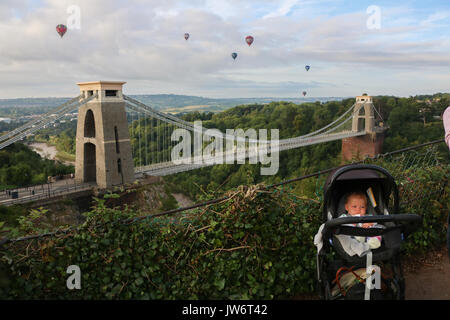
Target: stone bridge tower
[103,149]
[371,143]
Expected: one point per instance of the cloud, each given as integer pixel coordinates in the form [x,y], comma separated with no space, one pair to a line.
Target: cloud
[437,16]
[283,10]
[142,42]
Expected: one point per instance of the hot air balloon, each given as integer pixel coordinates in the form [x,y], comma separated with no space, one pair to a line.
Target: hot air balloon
[307,68]
[249,40]
[61,29]
[186,36]
[234,55]
[304,93]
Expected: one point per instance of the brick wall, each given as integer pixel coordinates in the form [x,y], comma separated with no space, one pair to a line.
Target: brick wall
[360,147]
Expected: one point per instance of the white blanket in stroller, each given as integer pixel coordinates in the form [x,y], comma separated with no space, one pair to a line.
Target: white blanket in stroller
[350,245]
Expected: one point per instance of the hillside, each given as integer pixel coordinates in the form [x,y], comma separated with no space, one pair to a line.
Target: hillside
[171,102]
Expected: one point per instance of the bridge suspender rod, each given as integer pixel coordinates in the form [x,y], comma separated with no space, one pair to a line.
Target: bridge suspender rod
[139,138]
[166,147]
[157,116]
[158,147]
[299,139]
[327,126]
[189,126]
[135,134]
[131,133]
[163,116]
[146,142]
[181,123]
[186,125]
[151,139]
[339,125]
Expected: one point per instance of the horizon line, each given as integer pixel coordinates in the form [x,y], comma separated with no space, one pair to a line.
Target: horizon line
[204,97]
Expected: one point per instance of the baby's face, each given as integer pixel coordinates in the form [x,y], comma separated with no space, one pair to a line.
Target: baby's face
[356,206]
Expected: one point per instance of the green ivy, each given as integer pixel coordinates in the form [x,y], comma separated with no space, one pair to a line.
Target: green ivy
[257,244]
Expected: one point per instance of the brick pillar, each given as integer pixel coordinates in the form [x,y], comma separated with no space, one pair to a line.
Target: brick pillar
[361,147]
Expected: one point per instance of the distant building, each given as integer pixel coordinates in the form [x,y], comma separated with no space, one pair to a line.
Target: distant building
[7,120]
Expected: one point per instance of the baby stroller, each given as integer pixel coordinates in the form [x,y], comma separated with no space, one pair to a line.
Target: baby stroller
[351,277]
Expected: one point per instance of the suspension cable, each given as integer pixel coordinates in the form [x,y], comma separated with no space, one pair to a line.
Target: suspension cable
[43,117]
[35,128]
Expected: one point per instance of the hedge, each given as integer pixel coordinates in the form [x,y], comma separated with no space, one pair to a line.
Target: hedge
[258,244]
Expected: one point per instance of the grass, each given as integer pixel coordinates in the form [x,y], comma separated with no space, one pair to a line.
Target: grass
[64,156]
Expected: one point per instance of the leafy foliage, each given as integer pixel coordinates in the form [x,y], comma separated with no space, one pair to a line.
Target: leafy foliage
[257,244]
[20,166]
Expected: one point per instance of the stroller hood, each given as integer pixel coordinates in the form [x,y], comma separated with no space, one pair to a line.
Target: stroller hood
[356,177]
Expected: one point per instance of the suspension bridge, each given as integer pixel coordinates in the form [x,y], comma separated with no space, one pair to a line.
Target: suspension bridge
[120,138]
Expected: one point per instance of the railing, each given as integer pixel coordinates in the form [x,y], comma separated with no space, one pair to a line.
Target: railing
[41,192]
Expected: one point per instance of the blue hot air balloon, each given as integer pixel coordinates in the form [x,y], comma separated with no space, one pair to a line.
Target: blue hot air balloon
[307,68]
[234,55]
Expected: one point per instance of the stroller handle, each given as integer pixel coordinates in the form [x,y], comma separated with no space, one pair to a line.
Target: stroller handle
[406,218]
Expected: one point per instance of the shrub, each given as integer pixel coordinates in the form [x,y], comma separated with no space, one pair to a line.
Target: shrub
[257,244]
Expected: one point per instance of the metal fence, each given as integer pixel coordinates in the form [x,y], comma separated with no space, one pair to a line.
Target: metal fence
[33,193]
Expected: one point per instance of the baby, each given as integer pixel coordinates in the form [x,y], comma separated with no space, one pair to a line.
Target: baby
[356,205]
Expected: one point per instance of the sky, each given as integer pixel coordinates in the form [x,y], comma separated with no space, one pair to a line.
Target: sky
[398,48]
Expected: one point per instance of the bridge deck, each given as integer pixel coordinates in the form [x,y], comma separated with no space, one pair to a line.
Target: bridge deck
[44,191]
[166,168]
